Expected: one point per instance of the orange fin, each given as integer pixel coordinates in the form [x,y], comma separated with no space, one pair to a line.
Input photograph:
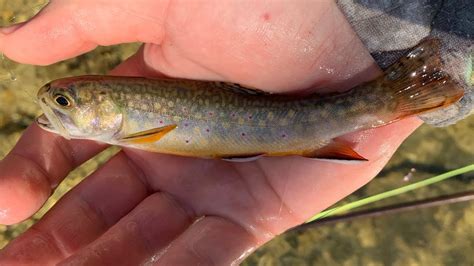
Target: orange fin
[417,82]
[336,151]
[148,136]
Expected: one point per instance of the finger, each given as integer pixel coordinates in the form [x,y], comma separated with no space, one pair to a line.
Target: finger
[209,241]
[85,213]
[64,29]
[35,166]
[148,229]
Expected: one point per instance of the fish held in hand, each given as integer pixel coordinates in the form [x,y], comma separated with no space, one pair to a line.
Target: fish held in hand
[223,120]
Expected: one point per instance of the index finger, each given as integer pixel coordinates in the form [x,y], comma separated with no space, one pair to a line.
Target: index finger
[35,166]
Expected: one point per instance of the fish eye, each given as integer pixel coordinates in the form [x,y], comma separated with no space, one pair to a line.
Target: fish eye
[62,100]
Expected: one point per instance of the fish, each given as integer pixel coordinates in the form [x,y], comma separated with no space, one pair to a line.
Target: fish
[222,120]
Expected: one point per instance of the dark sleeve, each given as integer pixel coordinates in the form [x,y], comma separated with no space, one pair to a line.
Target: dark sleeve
[388,28]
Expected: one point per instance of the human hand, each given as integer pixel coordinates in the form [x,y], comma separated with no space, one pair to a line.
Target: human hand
[141,206]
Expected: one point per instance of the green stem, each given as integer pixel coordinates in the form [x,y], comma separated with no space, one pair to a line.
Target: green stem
[391,193]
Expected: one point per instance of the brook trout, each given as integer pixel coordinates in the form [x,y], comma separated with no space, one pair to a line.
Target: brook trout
[224,120]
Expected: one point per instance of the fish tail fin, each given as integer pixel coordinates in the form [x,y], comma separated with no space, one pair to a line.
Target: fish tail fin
[417,84]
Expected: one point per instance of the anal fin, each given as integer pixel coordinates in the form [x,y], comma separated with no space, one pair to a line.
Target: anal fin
[336,152]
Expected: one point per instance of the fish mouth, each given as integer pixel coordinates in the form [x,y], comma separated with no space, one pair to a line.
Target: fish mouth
[49,121]
[52,126]
[44,123]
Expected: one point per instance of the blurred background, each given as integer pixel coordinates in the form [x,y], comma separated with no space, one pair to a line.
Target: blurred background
[433,236]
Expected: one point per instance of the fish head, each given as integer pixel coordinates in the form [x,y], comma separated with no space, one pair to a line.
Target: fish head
[79,110]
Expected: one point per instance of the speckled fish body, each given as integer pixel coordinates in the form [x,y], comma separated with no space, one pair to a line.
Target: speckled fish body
[223,120]
[215,122]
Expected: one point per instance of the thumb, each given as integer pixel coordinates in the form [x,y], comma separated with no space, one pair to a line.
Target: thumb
[65,29]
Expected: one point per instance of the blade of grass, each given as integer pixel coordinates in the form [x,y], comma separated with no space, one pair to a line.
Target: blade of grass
[391,193]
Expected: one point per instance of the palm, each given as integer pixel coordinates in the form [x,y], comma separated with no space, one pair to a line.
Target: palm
[142,201]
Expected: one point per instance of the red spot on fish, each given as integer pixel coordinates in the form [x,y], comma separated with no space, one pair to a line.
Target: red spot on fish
[266,16]
[207,130]
[161,121]
[283,135]
[211,113]
[243,134]
[250,117]
[233,115]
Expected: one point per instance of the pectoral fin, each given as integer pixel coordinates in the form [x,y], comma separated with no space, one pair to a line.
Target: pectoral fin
[148,136]
[337,152]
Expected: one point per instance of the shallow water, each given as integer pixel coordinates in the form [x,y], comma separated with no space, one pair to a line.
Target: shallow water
[441,235]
